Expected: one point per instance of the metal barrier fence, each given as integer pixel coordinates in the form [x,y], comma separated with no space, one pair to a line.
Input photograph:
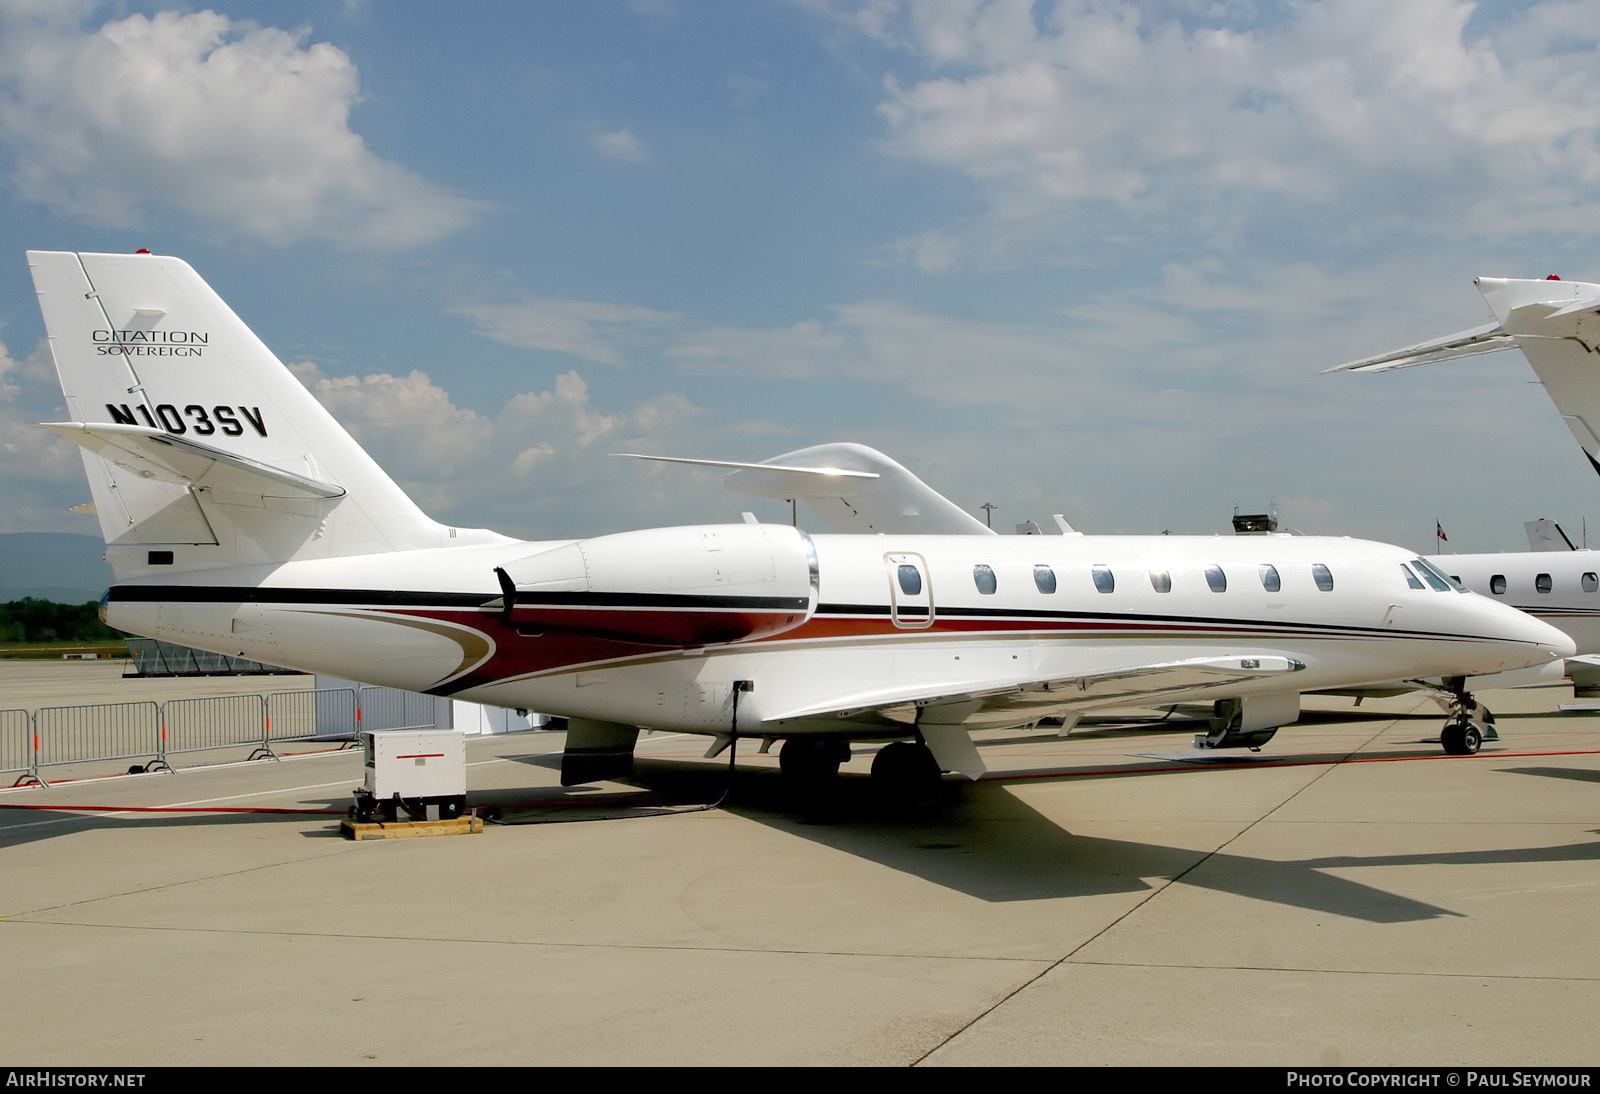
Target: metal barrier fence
[98,731]
[387,708]
[327,714]
[152,731]
[215,721]
[16,745]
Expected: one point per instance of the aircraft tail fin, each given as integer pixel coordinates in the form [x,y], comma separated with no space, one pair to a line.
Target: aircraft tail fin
[1556,325]
[196,439]
[1547,535]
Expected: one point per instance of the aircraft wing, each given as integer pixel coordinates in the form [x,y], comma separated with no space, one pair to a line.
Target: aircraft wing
[851,488]
[803,473]
[157,454]
[1050,694]
[1489,338]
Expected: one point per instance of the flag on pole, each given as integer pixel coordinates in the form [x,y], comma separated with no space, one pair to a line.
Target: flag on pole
[1438,531]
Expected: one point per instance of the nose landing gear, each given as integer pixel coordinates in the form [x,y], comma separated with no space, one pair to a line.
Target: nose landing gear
[1460,738]
[1470,722]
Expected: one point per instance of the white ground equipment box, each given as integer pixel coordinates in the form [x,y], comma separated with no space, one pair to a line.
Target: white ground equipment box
[420,771]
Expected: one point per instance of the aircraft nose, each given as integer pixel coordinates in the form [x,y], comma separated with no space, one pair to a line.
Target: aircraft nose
[1551,642]
[1559,643]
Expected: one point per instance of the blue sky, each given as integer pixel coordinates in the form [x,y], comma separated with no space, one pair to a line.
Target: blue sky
[1073,257]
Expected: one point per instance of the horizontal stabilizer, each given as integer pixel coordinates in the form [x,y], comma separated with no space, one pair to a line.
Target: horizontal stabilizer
[157,454]
[1577,307]
[1489,338]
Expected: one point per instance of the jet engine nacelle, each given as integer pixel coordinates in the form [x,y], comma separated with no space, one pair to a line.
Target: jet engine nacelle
[694,586]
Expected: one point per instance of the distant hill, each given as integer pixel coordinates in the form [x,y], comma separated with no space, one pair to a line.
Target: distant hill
[59,566]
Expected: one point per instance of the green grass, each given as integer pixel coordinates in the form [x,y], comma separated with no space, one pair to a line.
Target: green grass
[54,651]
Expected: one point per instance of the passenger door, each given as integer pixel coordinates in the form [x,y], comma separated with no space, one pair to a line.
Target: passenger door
[910,591]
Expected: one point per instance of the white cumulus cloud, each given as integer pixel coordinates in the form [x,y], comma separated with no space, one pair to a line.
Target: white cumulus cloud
[539,467]
[621,145]
[594,330]
[243,128]
[1204,121]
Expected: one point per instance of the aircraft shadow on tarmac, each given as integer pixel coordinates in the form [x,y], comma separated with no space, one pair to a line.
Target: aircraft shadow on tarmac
[983,840]
[1556,773]
[989,844]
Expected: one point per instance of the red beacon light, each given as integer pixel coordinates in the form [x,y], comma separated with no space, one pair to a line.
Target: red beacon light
[146,250]
[1553,277]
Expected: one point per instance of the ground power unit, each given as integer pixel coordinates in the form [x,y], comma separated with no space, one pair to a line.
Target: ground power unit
[419,772]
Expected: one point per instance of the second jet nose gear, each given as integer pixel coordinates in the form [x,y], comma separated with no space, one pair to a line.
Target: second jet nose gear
[1470,722]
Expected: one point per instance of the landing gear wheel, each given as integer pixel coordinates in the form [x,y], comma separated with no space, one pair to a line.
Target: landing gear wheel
[907,774]
[812,759]
[1461,738]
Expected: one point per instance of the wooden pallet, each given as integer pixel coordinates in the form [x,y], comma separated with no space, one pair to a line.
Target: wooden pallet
[459,826]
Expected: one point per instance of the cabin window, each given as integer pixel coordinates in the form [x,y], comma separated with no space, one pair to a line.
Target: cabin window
[1589,582]
[1542,583]
[910,580]
[1269,578]
[1497,584]
[1322,576]
[983,578]
[1411,578]
[1045,578]
[1216,579]
[1161,581]
[1103,579]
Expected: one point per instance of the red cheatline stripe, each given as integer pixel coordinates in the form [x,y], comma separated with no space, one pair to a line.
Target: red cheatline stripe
[421,756]
[170,809]
[1176,765]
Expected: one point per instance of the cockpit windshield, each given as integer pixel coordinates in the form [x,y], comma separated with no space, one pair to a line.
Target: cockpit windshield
[1437,577]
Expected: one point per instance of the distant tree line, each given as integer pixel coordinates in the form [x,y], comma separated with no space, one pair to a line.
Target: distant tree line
[34,620]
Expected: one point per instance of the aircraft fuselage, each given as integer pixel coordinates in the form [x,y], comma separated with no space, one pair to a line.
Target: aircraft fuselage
[659,628]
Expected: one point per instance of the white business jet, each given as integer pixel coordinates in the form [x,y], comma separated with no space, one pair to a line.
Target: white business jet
[240,517]
[1556,325]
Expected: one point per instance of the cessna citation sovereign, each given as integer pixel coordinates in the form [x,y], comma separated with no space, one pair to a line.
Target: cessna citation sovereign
[1556,325]
[240,517]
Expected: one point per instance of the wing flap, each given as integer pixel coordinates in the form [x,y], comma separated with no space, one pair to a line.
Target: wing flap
[156,454]
[1057,692]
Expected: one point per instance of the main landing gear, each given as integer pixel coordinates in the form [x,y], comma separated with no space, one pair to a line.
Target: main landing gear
[1470,722]
[907,775]
[904,773]
[811,761]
